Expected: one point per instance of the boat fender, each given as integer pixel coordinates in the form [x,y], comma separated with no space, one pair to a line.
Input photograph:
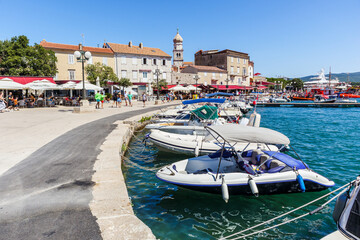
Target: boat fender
[253,187]
[300,180]
[340,205]
[197,151]
[224,190]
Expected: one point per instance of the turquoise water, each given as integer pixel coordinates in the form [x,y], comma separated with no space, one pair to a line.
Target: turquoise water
[328,139]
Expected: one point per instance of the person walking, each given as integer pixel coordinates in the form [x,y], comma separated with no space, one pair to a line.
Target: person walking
[114,98]
[126,98]
[102,98]
[130,96]
[98,99]
[119,99]
[144,99]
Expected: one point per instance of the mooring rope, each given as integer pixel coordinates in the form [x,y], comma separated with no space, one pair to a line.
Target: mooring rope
[287,213]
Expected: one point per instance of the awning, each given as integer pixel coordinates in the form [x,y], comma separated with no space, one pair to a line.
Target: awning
[144,70]
[231,87]
[26,80]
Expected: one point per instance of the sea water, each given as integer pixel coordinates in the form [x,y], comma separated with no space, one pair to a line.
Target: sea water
[327,139]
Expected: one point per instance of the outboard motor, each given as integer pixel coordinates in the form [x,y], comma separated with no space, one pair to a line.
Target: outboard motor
[254,120]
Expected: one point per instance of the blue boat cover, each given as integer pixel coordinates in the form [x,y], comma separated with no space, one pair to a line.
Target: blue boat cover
[201,100]
[219,94]
[288,160]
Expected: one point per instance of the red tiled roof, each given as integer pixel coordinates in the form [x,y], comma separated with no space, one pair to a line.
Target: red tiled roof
[122,48]
[60,46]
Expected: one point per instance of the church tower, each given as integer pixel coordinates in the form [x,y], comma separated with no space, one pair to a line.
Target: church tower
[178,57]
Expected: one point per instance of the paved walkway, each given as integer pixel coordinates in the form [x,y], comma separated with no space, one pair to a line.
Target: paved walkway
[47,169]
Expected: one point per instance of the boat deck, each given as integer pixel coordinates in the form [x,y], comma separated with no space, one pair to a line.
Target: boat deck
[309,104]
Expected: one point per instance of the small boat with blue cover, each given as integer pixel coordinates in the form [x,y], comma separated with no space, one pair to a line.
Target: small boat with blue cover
[250,171]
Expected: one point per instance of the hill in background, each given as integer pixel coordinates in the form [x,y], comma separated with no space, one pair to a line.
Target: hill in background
[353,77]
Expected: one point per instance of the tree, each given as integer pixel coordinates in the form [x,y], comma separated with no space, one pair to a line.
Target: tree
[124,82]
[162,84]
[296,83]
[18,58]
[105,73]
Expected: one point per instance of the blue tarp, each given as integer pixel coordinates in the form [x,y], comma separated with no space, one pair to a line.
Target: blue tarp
[219,94]
[288,160]
[201,100]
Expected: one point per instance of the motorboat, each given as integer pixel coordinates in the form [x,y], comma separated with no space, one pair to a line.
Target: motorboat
[244,108]
[346,213]
[253,170]
[322,99]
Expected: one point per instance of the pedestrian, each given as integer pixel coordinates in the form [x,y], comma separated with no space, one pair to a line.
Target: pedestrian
[126,98]
[102,98]
[119,99]
[98,99]
[130,96]
[144,99]
[114,98]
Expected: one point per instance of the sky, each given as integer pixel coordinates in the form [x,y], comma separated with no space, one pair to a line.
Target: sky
[283,38]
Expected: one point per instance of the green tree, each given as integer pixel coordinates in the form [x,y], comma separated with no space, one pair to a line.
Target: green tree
[124,82]
[105,73]
[296,83]
[162,84]
[18,58]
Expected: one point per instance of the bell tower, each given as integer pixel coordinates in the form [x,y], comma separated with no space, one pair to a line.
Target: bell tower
[178,58]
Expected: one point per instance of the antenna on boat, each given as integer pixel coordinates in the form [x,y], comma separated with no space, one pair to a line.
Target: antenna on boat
[329,76]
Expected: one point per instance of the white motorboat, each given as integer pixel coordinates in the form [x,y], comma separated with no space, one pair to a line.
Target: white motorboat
[252,170]
[347,214]
[194,144]
[322,99]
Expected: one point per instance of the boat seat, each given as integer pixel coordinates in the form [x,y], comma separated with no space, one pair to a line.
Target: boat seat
[261,159]
[273,163]
[255,153]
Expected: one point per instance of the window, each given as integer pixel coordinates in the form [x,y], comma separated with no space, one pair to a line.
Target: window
[71,58]
[123,59]
[244,61]
[232,59]
[90,60]
[244,71]
[134,75]
[105,61]
[205,74]
[154,61]
[144,75]
[134,60]
[238,60]
[164,75]
[71,74]
[220,74]
[213,75]
[238,70]
[144,61]
[232,69]
[164,62]
[123,73]
[239,81]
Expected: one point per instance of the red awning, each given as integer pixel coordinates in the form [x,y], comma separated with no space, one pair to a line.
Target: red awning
[144,70]
[139,83]
[264,83]
[25,80]
[231,87]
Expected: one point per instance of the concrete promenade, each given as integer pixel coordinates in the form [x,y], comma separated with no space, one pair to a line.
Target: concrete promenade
[60,174]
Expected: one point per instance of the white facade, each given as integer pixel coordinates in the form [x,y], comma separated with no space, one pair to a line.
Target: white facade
[139,68]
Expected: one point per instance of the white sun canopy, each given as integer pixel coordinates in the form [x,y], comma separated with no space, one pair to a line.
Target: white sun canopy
[246,134]
[7,83]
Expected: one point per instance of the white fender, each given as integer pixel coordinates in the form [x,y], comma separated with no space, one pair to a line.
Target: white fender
[254,120]
[253,187]
[197,149]
[224,190]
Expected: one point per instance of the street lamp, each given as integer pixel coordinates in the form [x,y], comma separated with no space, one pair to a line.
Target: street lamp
[227,84]
[196,78]
[82,57]
[157,72]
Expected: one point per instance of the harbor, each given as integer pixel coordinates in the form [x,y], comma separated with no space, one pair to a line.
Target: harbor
[308,104]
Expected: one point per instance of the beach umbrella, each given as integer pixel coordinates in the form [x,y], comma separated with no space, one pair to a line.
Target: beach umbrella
[179,88]
[68,86]
[42,85]
[9,84]
[88,86]
[193,88]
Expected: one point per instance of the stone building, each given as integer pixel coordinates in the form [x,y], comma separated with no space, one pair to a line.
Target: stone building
[235,63]
[208,75]
[178,51]
[68,67]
